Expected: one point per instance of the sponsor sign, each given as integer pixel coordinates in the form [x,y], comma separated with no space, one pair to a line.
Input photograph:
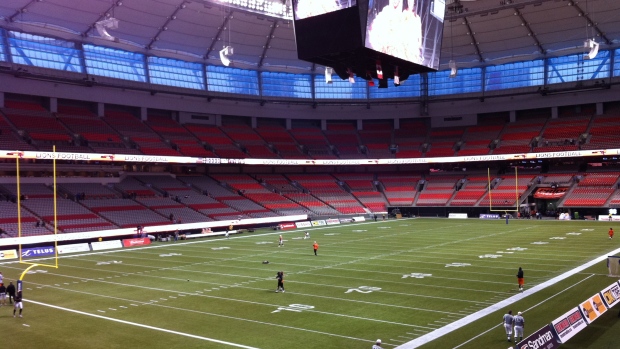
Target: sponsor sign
[319,222]
[541,339]
[593,308]
[37,251]
[8,254]
[136,242]
[611,294]
[358,219]
[303,224]
[83,247]
[332,221]
[569,324]
[614,218]
[288,225]
[106,245]
[457,215]
[346,220]
[489,216]
[549,193]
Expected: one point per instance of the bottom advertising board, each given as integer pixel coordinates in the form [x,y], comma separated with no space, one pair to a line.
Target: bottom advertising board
[106,245]
[288,225]
[569,324]
[358,219]
[332,221]
[8,254]
[303,224]
[541,339]
[84,247]
[489,216]
[593,308]
[136,242]
[457,215]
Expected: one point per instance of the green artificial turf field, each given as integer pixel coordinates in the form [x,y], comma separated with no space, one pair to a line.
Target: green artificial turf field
[396,280]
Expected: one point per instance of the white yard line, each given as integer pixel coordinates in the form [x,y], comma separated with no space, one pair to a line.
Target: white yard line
[416,343]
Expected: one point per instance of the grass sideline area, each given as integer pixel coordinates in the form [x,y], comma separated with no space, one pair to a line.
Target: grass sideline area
[397,280]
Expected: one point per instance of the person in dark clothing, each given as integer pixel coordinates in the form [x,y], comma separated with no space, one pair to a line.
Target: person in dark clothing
[10,291]
[18,304]
[520,279]
[2,295]
[280,277]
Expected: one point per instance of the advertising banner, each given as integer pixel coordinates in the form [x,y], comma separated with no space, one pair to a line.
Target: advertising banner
[550,193]
[319,222]
[136,242]
[332,221]
[284,226]
[489,216]
[346,220]
[541,339]
[37,251]
[604,217]
[569,324]
[83,247]
[593,308]
[304,224]
[8,254]
[106,245]
[358,219]
[457,215]
[611,294]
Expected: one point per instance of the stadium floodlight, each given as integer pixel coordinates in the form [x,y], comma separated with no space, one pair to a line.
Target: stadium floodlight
[105,24]
[379,70]
[453,68]
[225,55]
[351,76]
[328,75]
[593,46]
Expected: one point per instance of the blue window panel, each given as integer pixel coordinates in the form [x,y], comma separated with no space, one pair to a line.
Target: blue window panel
[575,68]
[113,63]
[2,46]
[515,75]
[339,89]
[467,80]
[617,63]
[170,72]
[286,85]
[44,52]
[407,89]
[232,80]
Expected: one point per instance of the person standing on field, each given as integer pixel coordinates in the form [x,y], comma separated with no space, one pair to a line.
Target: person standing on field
[280,277]
[280,242]
[508,321]
[377,345]
[611,233]
[315,246]
[10,291]
[520,279]
[18,304]
[519,322]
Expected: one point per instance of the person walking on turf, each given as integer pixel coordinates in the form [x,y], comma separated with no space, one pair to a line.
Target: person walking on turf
[315,246]
[377,345]
[520,279]
[280,278]
[280,242]
[508,320]
[519,322]
[611,233]
[10,291]
[2,295]
[18,304]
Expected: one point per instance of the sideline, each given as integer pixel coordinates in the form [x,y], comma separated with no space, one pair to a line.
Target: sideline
[416,343]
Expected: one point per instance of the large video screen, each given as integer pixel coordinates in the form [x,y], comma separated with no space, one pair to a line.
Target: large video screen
[407,29]
[310,8]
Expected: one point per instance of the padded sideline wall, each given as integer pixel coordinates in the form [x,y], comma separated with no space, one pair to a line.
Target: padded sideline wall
[436,109]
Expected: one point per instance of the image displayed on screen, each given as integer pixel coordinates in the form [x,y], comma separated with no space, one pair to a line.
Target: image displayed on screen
[310,8]
[407,29]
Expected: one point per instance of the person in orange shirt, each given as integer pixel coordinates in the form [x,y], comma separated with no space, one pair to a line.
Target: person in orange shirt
[611,233]
[316,247]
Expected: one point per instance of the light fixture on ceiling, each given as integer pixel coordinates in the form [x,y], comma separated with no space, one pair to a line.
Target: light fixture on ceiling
[226,55]
[105,24]
[328,75]
[452,63]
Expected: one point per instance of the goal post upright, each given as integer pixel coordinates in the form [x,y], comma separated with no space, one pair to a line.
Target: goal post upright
[516,207]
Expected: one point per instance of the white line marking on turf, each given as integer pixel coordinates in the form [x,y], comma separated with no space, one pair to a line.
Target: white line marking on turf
[145,326]
[416,343]
[26,325]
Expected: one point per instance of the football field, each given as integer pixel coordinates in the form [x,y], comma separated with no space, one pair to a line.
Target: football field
[427,283]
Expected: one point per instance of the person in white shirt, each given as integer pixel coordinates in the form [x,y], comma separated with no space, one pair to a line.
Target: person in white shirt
[508,321]
[519,322]
[377,345]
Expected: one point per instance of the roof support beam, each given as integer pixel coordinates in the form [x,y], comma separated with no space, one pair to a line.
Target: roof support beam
[274,25]
[530,31]
[101,17]
[519,5]
[164,27]
[473,40]
[589,22]
[220,30]
[24,9]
